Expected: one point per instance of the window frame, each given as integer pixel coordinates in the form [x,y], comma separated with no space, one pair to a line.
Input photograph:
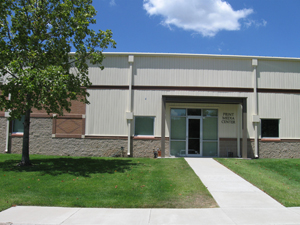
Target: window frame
[16,133]
[146,135]
[261,128]
[187,117]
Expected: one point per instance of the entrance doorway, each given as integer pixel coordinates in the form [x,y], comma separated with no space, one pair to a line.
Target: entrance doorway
[194,132]
[193,138]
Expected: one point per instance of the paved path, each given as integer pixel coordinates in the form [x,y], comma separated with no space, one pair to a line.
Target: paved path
[240,204]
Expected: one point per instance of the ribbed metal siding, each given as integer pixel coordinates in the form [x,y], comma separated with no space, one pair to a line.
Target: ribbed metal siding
[115,71]
[278,74]
[286,108]
[224,130]
[148,103]
[105,115]
[185,71]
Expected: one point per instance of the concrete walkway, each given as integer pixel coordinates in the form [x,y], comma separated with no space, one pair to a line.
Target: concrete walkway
[240,204]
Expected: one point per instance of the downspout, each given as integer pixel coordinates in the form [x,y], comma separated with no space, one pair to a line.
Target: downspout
[7,150]
[129,113]
[239,130]
[255,118]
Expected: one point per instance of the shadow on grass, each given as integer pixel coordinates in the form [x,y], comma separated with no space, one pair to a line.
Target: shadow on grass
[73,166]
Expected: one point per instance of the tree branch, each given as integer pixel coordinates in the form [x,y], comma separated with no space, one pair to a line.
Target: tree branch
[9,35]
[11,73]
[79,58]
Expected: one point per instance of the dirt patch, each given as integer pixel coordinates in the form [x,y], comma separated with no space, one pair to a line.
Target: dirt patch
[198,201]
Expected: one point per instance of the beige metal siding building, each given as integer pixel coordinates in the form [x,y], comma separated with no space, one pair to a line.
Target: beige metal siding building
[183,105]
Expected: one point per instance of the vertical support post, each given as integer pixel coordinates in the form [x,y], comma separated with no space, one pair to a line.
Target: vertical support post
[7,136]
[163,127]
[54,125]
[256,140]
[255,105]
[83,126]
[238,130]
[7,149]
[129,107]
[129,152]
[244,127]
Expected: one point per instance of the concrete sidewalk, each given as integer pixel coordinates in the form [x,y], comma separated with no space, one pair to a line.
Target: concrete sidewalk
[240,204]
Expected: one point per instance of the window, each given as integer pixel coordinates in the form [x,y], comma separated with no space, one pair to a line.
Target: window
[194,131]
[144,125]
[269,128]
[18,125]
[210,112]
[194,112]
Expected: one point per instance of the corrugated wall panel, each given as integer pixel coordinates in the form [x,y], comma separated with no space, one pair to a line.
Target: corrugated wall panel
[105,116]
[185,71]
[106,113]
[115,71]
[278,74]
[286,108]
[148,103]
[224,130]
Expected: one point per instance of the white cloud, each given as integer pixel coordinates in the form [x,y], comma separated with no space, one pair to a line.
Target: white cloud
[257,24]
[206,17]
[112,3]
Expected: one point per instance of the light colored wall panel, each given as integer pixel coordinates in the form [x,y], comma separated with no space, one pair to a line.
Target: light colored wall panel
[285,107]
[278,74]
[105,115]
[115,71]
[148,103]
[225,130]
[228,127]
[191,71]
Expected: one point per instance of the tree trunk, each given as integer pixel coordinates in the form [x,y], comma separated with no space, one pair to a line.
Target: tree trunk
[25,150]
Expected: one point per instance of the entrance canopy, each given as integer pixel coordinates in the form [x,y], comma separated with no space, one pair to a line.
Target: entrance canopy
[205,99]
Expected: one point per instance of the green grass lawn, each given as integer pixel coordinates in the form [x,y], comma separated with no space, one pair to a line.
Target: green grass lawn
[101,182]
[280,178]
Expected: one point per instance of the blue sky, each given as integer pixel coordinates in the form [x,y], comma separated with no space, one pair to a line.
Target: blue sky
[231,27]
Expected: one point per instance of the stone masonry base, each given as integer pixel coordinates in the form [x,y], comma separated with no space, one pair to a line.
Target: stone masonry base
[279,149]
[42,142]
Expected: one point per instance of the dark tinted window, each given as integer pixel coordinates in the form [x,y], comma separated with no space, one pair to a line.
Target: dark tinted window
[144,125]
[18,125]
[194,112]
[270,128]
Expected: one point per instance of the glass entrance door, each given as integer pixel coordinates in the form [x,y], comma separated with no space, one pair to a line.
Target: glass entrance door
[194,132]
[193,137]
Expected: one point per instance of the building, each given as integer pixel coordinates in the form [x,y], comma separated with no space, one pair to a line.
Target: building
[180,104]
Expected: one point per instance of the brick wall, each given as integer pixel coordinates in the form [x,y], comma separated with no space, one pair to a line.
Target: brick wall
[227,145]
[230,145]
[76,108]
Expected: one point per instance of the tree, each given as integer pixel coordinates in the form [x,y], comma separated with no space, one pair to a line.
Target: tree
[36,37]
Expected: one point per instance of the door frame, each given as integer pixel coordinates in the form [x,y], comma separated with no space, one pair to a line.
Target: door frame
[208,100]
[200,133]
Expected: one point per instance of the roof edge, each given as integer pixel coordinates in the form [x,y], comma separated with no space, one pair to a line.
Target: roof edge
[199,55]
